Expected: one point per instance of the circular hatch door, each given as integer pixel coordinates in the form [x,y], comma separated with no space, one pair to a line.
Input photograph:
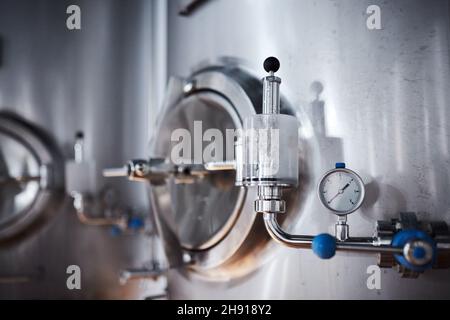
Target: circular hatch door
[205,210]
[30,175]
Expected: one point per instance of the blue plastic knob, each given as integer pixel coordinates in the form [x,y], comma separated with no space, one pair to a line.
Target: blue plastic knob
[324,246]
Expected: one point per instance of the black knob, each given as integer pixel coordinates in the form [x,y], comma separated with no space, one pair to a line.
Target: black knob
[79,135]
[271,64]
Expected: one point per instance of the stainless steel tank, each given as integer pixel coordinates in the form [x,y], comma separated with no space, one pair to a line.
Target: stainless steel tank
[376,99]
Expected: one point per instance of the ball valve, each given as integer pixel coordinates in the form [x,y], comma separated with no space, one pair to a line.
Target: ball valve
[419,249]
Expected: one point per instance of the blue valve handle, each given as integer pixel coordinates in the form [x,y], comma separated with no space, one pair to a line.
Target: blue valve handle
[401,238]
[136,223]
[324,246]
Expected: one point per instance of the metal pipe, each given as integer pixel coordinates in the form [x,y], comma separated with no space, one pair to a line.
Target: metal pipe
[305,241]
[144,273]
[271,92]
[282,237]
[116,172]
[98,222]
[443,246]
[220,166]
[155,169]
[349,245]
[79,147]
[83,208]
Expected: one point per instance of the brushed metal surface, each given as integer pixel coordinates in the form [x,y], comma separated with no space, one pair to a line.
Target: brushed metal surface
[377,100]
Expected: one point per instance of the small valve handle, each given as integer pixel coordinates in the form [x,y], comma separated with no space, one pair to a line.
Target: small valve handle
[419,249]
[135,223]
[271,64]
[271,87]
[324,246]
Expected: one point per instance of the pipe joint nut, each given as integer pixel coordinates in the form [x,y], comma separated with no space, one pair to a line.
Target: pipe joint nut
[270,205]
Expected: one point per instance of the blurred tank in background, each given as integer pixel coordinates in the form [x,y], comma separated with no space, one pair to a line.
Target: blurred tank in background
[57,82]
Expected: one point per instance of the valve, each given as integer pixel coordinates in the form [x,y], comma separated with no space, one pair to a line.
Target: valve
[324,246]
[141,170]
[264,138]
[419,249]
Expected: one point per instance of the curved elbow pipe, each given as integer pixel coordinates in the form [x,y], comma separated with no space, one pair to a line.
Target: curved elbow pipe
[282,237]
[83,209]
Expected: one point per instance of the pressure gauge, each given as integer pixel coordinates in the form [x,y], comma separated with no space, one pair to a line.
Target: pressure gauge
[341,190]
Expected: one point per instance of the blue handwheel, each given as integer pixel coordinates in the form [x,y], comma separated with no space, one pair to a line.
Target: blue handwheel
[419,249]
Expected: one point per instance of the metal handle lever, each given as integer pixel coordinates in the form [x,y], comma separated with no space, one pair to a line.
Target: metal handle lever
[156,170]
[134,170]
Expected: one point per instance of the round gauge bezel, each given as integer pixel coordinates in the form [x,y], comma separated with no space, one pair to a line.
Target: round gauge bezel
[358,180]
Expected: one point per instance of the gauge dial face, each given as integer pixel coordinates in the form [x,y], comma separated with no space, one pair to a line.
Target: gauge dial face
[341,191]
